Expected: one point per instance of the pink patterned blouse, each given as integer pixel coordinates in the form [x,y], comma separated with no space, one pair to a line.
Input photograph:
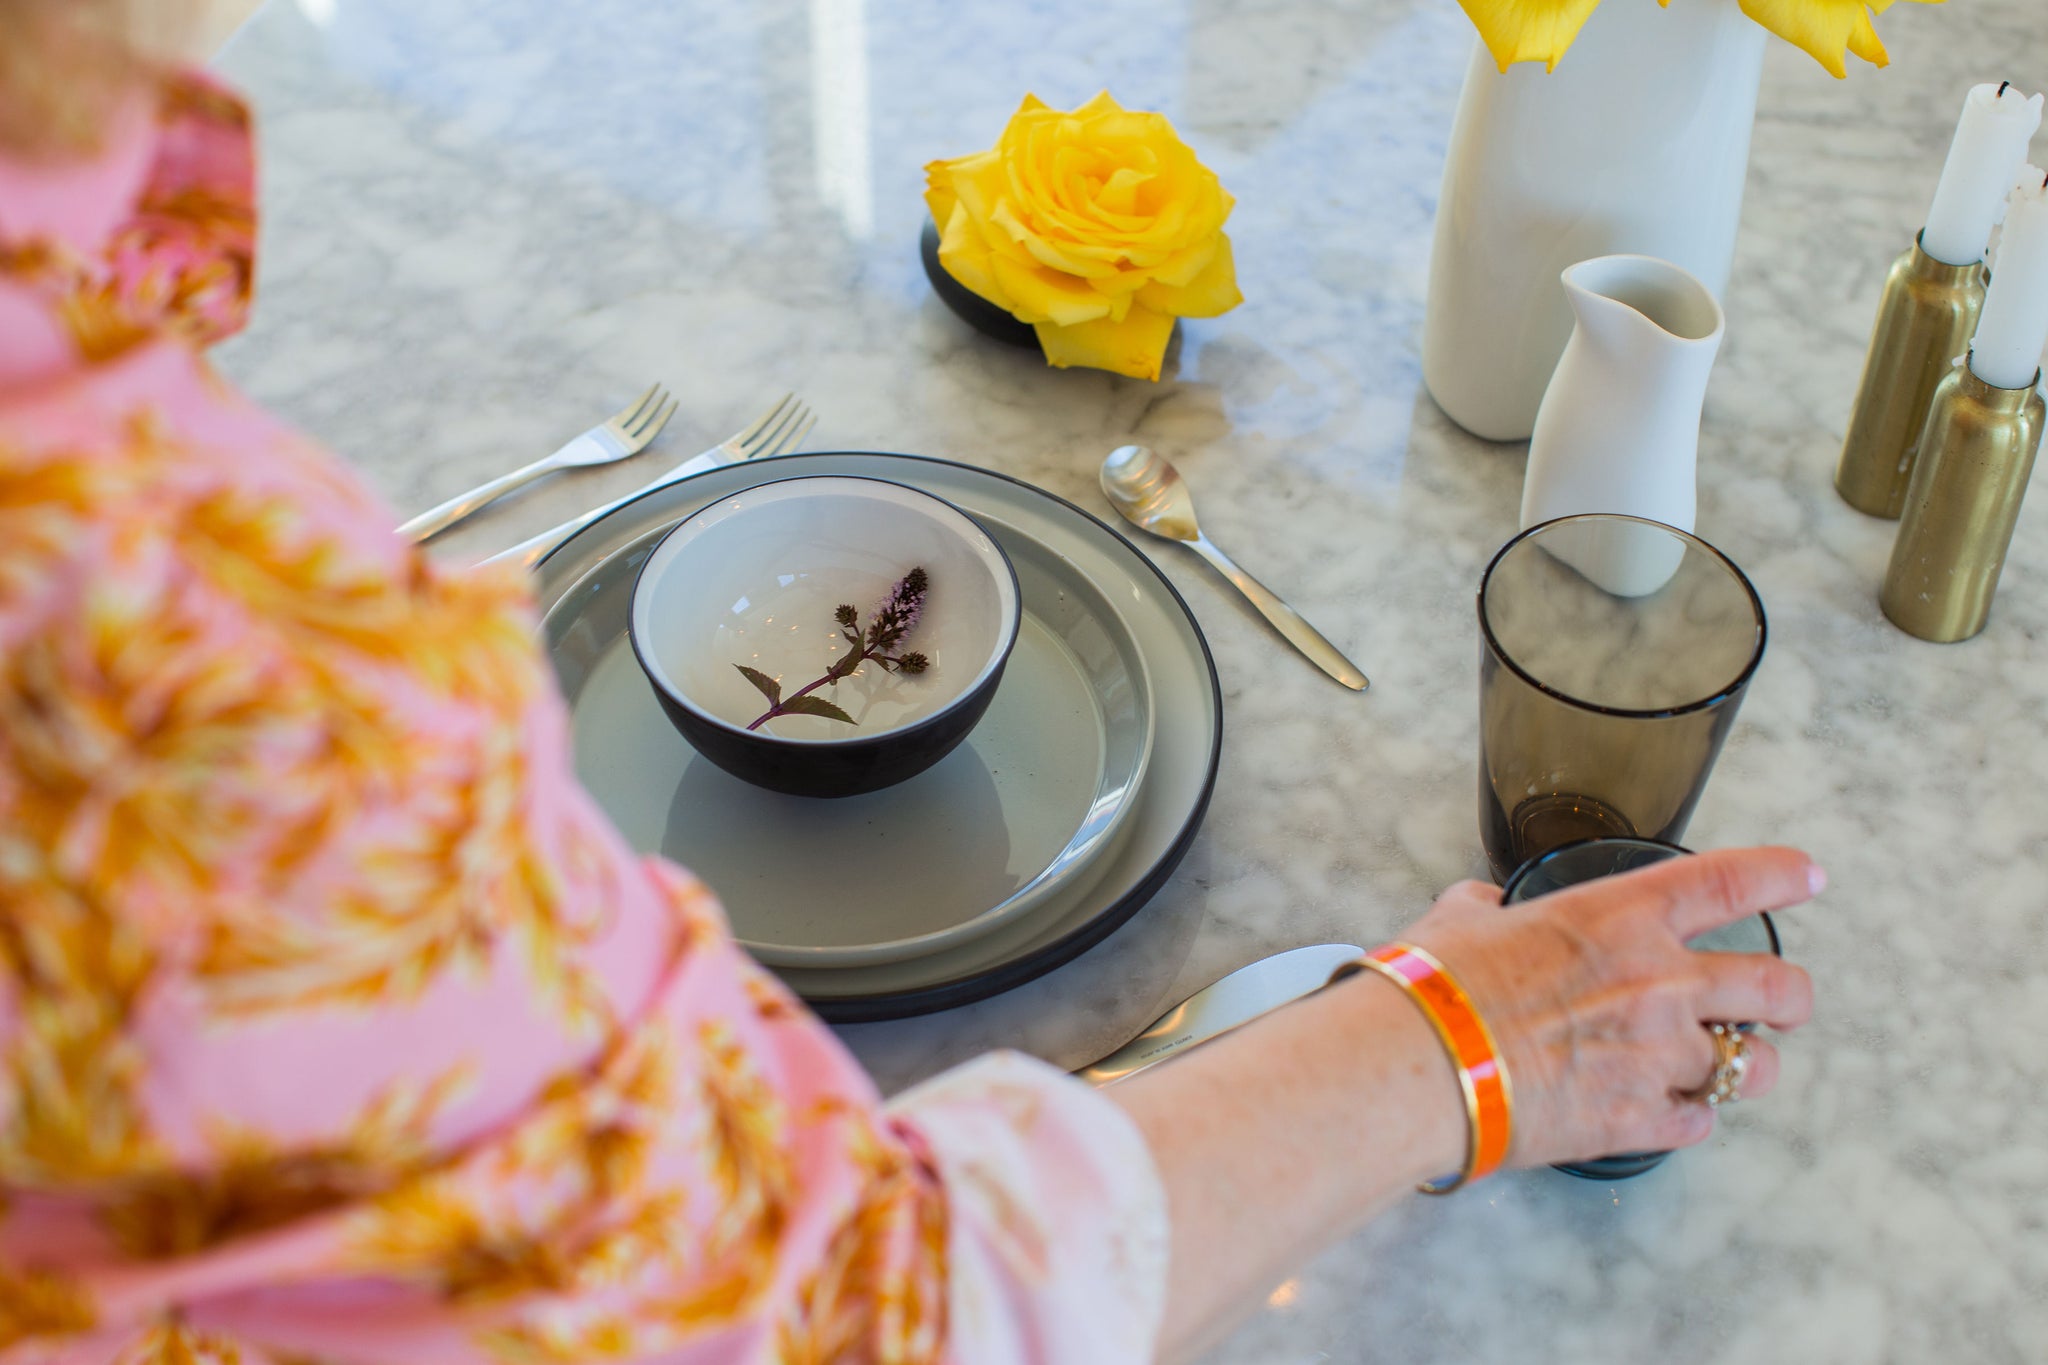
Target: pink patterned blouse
[336,1024]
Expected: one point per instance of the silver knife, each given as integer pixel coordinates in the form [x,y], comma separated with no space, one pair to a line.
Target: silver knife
[1238,998]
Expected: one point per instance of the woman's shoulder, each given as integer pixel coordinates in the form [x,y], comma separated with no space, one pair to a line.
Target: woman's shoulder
[149,486]
[157,440]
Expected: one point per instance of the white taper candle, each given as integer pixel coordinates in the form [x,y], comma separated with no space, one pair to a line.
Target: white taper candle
[2012,330]
[1989,148]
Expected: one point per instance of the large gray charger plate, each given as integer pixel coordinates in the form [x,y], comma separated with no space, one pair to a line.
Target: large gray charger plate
[639,769]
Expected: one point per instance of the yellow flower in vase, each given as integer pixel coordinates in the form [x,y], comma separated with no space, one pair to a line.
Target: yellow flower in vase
[1098,227]
[1528,30]
[1825,27]
[1542,30]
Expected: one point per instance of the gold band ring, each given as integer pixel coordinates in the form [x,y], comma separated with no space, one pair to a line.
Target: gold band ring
[1731,1064]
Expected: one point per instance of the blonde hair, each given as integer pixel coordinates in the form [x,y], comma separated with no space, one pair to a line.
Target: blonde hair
[66,65]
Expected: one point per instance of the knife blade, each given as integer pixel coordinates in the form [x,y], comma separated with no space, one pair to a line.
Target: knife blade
[1252,990]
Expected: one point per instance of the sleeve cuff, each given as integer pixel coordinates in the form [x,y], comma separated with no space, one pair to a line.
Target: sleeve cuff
[1057,1225]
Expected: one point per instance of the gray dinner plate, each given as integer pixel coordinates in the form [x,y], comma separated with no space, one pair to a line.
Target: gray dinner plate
[1023,811]
[996,872]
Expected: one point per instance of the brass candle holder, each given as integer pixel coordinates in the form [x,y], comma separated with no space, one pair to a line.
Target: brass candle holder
[1924,321]
[1975,455]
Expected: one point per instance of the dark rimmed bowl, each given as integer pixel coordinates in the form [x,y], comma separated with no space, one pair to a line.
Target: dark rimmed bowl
[754,578]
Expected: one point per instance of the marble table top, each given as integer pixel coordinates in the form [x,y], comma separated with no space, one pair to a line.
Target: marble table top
[486,225]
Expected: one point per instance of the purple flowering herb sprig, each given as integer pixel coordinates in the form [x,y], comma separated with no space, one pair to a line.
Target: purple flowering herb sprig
[889,625]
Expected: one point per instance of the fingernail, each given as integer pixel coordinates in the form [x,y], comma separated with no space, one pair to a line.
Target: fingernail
[1816,879]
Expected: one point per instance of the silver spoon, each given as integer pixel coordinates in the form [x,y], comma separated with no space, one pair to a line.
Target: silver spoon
[1147,491]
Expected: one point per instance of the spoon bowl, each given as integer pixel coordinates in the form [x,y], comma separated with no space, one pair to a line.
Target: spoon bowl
[1149,493]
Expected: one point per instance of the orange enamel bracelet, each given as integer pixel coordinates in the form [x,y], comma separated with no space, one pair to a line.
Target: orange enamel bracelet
[1482,1072]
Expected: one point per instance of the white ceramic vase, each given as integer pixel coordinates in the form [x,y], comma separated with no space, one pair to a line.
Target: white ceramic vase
[1618,429]
[1638,142]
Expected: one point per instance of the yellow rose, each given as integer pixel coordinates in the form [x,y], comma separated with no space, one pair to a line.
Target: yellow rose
[1098,227]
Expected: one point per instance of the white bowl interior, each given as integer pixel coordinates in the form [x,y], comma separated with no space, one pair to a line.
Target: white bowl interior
[755,578]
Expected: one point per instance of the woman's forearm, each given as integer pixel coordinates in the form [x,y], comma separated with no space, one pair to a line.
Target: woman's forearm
[1280,1137]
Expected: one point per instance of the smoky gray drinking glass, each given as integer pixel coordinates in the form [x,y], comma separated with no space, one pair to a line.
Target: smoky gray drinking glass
[1614,653]
[1570,864]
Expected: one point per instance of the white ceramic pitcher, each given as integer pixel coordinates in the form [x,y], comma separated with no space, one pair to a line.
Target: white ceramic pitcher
[1619,426]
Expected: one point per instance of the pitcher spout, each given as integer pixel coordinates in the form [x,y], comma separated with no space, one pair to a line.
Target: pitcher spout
[1622,302]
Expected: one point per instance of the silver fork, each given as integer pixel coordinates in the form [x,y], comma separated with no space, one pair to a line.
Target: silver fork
[626,433]
[778,431]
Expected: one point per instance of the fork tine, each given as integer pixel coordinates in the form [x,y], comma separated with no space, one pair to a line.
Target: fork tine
[626,416]
[790,417]
[794,440]
[651,428]
[765,418]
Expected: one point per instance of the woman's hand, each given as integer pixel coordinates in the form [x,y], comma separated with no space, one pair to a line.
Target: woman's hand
[1290,1131]
[1599,1007]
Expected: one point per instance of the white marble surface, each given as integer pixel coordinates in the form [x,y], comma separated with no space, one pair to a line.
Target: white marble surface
[487,225]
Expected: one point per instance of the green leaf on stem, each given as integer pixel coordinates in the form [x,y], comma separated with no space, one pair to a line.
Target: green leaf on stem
[816,706]
[768,687]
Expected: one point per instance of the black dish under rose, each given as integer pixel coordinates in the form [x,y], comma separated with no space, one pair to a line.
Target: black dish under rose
[976,311]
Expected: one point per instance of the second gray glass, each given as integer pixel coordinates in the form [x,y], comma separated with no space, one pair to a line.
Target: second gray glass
[1614,653]
[1588,860]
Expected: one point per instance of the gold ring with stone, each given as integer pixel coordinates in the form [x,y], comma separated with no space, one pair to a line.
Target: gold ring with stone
[1731,1064]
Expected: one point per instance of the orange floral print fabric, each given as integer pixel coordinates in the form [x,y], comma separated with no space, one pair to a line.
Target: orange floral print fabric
[336,1023]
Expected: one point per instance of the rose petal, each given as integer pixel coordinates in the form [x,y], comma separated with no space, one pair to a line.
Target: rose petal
[1183,266]
[1044,252]
[1121,282]
[938,191]
[965,257]
[1101,102]
[1047,295]
[1207,295]
[1135,346]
